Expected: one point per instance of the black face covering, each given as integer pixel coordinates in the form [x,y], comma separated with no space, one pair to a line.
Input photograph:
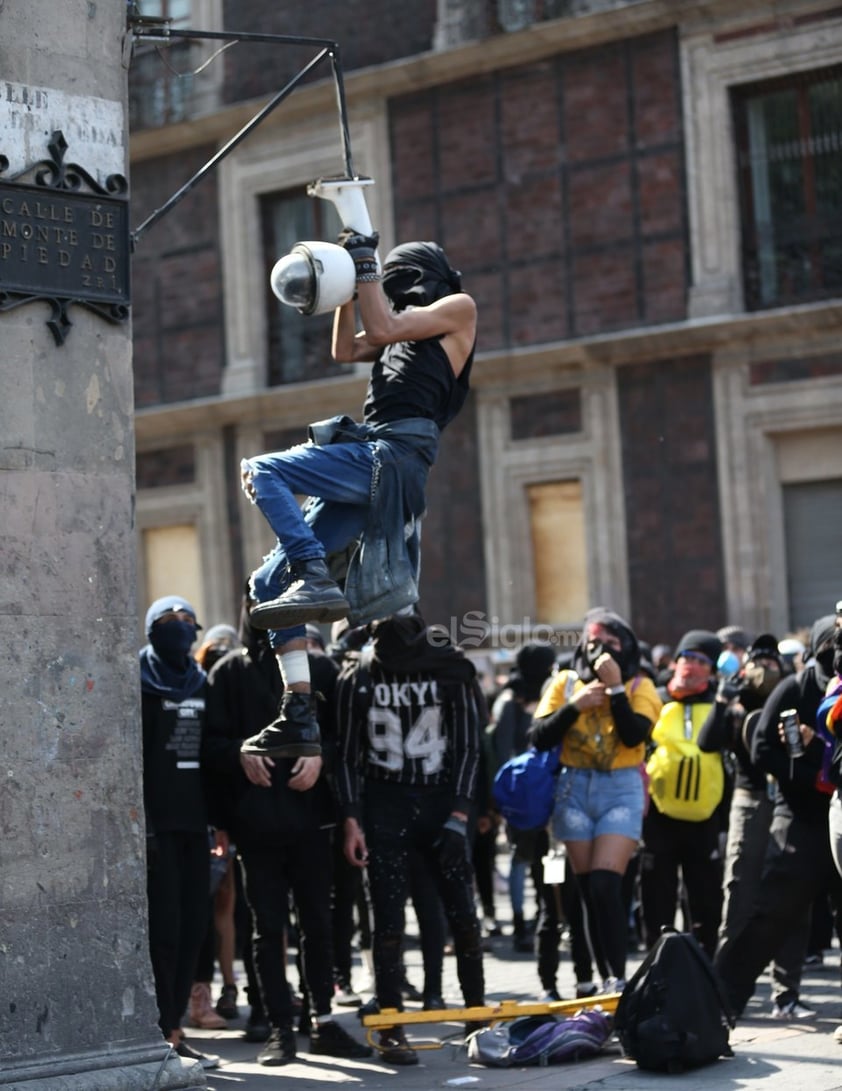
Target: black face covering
[416,274]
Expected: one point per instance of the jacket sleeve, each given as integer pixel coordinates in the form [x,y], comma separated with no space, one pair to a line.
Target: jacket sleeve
[769,752]
[350,723]
[463,730]
[553,716]
[714,732]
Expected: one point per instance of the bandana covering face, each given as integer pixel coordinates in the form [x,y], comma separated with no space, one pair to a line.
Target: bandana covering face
[416,274]
[166,666]
[628,656]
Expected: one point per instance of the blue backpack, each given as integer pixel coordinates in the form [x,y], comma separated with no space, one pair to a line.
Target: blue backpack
[524,788]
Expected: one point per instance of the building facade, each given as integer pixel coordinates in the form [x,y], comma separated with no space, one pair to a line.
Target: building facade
[645,200]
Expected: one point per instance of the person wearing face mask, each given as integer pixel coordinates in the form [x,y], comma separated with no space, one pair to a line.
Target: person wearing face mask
[366,480]
[172,688]
[601,711]
[681,828]
[728,728]
[799,864]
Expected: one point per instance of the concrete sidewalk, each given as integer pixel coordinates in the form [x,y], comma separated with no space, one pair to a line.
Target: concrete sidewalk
[802,1056]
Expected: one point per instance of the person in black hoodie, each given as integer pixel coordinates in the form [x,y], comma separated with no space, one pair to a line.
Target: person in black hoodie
[798,864]
[177,857]
[733,717]
[281,814]
[406,775]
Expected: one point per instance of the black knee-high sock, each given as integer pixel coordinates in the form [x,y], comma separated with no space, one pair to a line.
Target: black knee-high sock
[592,924]
[606,890]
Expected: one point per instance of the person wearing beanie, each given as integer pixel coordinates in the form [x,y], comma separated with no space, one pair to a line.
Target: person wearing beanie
[728,728]
[799,863]
[172,688]
[281,813]
[601,712]
[681,828]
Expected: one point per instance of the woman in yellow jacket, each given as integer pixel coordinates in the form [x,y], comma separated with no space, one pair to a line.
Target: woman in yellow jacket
[601,712]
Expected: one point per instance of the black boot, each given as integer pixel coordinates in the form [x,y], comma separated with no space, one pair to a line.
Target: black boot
[311,596]
[520,935]
[294,734]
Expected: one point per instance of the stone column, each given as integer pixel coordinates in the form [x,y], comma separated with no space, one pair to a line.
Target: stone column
[78,1005]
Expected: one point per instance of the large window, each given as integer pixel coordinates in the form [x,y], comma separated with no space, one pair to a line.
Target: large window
[299,346]
[813,530]
[161,81]
[789,143]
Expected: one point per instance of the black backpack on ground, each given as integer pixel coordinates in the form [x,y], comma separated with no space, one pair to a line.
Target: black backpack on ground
[673,1014]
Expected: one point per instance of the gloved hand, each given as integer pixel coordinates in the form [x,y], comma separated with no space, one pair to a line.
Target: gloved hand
[728,688]
[452,843]
[362,249]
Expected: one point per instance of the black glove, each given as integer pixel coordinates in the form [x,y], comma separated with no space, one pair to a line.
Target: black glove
[362,249]
[728,688]
[452,843]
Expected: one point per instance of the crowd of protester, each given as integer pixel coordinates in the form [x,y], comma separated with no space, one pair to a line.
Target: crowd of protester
[688,793]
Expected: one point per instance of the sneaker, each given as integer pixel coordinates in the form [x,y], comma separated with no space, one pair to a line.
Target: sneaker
[795,1009]
[409,992]
[295,732]
[226,1005]
[188,1053]
[394,1048]
[345,996]
[613,985]
[811,961]
[549,996]
[311,596]
[584,989]
[491,928]
[331,1040]
[257,1027]
[279,1048]
[433,1002]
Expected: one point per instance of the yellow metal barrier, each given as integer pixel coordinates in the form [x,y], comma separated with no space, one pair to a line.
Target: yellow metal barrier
[485,1015]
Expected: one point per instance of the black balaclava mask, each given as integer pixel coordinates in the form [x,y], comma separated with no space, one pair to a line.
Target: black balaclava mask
[588,651]
[416,274]
[172,640]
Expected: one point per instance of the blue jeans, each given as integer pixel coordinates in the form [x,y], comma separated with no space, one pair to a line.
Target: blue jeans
[340,476]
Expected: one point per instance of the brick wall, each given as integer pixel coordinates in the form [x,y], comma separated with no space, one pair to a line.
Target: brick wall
[178,331]
[367,31]
[452,561]
[676,575]
[557,188]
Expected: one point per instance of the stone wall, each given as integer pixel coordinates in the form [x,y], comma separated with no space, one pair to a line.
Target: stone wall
[78,1005]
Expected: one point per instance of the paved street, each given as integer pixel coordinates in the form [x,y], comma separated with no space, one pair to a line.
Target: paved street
[778,1056]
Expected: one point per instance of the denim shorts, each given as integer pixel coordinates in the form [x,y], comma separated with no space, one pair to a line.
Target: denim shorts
[589,803]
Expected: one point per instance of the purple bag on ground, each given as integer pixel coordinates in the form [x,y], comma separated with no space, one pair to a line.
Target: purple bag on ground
[541,1040]
[581,1035]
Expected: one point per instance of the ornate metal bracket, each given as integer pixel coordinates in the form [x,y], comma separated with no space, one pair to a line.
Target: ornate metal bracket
[153,29]
[64,238]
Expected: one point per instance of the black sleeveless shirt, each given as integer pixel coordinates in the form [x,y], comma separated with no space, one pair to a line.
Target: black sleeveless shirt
[415,379]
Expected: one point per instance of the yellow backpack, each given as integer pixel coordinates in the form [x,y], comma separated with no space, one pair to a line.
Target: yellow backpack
[684,781]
